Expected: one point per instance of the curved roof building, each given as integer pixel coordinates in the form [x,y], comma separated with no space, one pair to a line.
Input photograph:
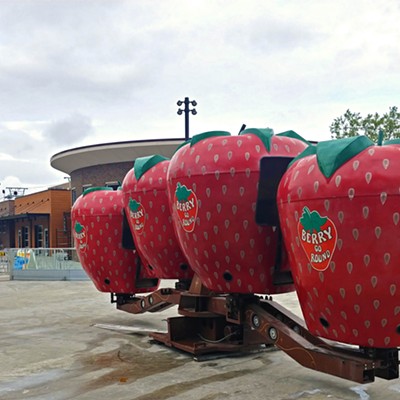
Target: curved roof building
[108,163]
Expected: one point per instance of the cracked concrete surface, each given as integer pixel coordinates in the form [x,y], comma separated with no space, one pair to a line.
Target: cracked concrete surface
[51,349]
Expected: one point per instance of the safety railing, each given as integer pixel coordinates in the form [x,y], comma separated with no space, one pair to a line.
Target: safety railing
[41,264]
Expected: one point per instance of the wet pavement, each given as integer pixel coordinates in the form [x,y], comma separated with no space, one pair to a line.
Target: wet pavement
[65,340]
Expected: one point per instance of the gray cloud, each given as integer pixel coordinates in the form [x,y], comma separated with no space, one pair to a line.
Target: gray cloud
[69,130]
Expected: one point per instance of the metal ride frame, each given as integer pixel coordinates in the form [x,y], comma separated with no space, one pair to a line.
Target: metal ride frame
[218,323]
[211,323]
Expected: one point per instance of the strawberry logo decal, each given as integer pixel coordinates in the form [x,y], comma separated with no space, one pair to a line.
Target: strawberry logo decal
[80,236]
[318,237]
[137,215]
[186,206]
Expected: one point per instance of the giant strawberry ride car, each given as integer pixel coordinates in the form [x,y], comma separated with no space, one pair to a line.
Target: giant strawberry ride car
[340,216]
[147,209]
[212,184]
[97,223]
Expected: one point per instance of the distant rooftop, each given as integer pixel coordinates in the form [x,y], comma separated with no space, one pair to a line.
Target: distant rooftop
[107,153]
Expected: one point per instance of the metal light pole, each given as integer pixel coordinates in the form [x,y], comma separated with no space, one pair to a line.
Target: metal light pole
[187,111]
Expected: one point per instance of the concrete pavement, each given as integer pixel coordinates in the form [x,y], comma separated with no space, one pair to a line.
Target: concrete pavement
[53,348]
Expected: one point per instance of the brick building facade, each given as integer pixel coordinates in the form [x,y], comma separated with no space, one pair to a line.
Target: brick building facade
[36,220]
[107,164]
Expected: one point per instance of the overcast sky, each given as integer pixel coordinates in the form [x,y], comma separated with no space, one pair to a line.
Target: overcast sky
[75,73]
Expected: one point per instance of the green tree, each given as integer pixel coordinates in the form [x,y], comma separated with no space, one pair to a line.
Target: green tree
[353,124]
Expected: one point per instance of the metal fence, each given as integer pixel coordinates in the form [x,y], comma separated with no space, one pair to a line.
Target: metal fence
[41,264]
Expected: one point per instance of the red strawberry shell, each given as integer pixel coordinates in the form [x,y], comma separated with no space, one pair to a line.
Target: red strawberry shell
[149,217]
[340,217]
[212,185]
[97,220]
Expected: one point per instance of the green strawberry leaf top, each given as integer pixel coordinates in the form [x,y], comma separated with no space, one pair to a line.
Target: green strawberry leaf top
[143,164]
[332,154]
[308,151]
[181,145]
[391,141]
[201,136]
[95,189]
[265,135]
[182,192]
[78,227]
[312,221]
[133,205]
[293,135]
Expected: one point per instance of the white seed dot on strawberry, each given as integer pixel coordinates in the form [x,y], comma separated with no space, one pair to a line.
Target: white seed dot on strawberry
[385,163]
[310,169]
[299,192]
[349,267]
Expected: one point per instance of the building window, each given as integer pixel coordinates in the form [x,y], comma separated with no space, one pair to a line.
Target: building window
[38,236]
[113,184]
[46,238]
[87,186]
[23,237]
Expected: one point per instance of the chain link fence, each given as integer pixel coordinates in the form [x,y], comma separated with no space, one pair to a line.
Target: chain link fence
[41,264]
